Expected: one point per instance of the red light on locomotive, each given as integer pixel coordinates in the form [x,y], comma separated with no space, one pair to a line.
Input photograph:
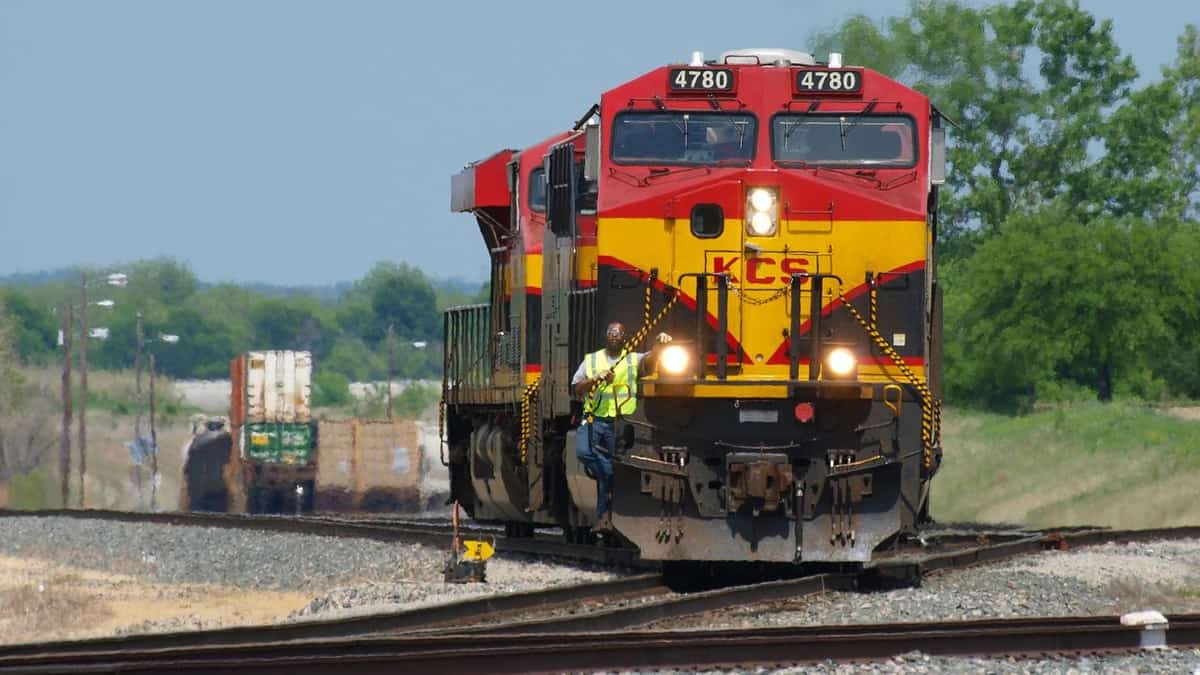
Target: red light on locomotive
[804,412]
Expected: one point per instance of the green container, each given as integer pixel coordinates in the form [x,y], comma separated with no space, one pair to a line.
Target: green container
[279,443]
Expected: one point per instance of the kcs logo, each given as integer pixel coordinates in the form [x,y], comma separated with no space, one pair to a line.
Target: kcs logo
[761,270]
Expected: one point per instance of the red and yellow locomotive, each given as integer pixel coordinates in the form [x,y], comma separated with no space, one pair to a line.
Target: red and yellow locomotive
[777,216]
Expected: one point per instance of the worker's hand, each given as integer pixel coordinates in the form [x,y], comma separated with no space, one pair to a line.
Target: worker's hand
[607,376]
[662,338]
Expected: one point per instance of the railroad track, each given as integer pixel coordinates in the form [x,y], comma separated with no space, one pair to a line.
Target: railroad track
[436,534]
[567,610]
[663,649]
[445,617]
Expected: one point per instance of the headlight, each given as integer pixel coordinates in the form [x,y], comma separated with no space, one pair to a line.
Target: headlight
[761,199]
[761,224]
[762,211]
[841,361]
[674,359]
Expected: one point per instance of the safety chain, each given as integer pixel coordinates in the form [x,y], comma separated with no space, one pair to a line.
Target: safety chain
[533,387]
[530,390]
[874,306]
[442,402]
[648,325]
[751,300]
[442,422]
[930,408]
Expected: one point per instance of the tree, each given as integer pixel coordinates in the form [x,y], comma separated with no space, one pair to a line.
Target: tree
[406,302]
[290,324]
[203,351]
[397,295]
[1047,299]
[26,412]
[33,328]
[330,388]
[1017,138]
[162,281]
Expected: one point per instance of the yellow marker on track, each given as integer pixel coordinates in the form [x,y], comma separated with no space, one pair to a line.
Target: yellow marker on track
[478,551]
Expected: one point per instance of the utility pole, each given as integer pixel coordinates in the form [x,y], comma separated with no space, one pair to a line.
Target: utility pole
[64,451]
[391,366]
[137,366]
[153,441]
[83,386]
[137,425]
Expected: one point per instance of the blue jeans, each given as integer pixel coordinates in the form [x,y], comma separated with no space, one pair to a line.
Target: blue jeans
[595,451]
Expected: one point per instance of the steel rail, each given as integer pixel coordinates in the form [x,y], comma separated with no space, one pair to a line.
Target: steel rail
[900,568]
[673,607]
[1031,637]
[431,534]
[430,617]
[487,616]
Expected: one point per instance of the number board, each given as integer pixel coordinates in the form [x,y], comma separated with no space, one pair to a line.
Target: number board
[840,81]
[700,79]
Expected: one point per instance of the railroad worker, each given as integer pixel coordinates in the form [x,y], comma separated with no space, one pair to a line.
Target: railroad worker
[607,381]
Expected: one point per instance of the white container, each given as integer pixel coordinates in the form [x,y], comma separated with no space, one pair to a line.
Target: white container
[278,387]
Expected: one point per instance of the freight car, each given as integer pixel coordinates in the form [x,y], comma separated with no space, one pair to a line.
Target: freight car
[271,455]
[777,215]
[273,430]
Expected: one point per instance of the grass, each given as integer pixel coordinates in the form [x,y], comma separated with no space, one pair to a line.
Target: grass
[115,391]
[1120,464]
[32,490]
[31,610]
[112,480]
[1135,594]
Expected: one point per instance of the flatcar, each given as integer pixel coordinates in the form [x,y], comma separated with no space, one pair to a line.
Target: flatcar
[776,215]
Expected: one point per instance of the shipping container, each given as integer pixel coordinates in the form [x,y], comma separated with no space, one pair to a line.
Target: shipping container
[270,407]
[369,465]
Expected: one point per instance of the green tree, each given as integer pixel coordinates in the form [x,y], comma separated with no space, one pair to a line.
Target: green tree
[290,324]
[330,388]
[354,359]
[161,281]
[1150,166]
[26,412]
[398,295]
[1176,287]
[1048,298]
[1027,86]
[204,348]
[34,329]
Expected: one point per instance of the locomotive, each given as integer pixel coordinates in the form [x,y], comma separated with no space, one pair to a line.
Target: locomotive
[777,216]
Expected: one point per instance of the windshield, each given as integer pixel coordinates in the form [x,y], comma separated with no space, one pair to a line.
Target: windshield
[844,140]
[668,137]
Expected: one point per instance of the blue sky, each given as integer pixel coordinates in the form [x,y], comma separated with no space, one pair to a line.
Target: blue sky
[300,142]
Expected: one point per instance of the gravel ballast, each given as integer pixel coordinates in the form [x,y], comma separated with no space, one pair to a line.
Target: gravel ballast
[1099,580]
[340,576]
[354,576]
[257,560]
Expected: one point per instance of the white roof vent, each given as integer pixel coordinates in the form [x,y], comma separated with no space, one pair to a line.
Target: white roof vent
[768,57]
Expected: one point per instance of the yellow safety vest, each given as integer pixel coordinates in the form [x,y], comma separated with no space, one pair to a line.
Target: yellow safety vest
[603,400]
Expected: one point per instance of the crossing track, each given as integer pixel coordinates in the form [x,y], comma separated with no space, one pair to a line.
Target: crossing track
[776,647]
[505,621]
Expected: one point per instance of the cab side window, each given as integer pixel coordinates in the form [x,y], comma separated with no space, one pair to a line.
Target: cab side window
[537,190]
